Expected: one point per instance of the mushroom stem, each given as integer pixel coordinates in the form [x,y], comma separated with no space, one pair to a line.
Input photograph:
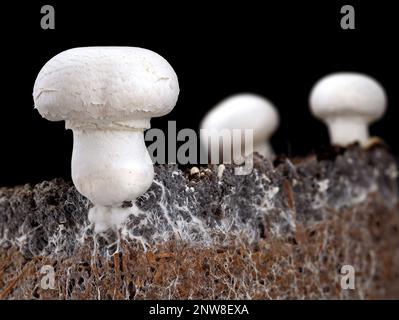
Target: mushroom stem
[347,130]
[265,150]
[111,166]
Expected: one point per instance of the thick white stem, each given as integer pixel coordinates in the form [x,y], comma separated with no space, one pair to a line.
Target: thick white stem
[347,130]
[111,166]
[265,149]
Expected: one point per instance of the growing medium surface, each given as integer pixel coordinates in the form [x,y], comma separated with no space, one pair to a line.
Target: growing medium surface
[284,231]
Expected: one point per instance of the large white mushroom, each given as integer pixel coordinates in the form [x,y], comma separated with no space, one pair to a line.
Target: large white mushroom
[348,103]
[107,96]
[243,111]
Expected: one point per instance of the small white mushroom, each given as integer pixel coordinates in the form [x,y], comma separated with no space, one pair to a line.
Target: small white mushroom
[348,103]
[107,96]
[244,111]
[194,171]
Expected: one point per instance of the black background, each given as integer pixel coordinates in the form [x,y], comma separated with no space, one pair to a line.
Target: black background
[216,48]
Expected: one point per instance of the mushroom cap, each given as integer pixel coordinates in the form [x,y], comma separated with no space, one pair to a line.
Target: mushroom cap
[106,84]
[350,94]
[244,111]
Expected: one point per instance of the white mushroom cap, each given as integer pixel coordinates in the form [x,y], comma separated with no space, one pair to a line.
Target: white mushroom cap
[348,102]
[348,93]
[106,85]
[245,111]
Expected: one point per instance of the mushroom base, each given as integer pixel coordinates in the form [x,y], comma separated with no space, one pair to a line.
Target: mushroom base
[104,218]
[265,149]
[344,132]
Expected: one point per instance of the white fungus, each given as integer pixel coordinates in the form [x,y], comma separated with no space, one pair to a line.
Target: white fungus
[348,103]
[107,96]
[244,111]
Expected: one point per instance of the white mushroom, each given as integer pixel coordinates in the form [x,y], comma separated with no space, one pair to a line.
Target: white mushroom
[107,96]
[348,103]
[244,111]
